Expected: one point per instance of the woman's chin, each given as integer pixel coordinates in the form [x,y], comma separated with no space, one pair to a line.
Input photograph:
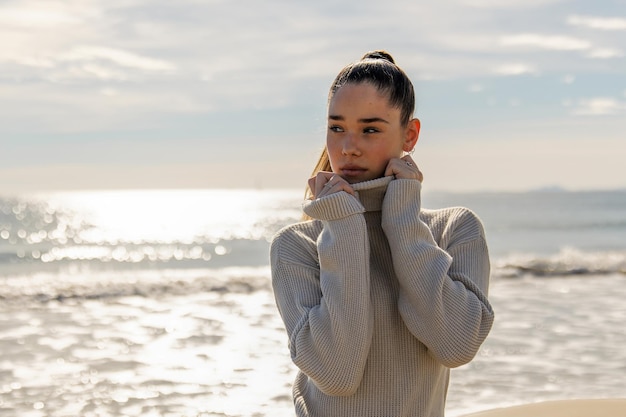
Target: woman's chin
[354,176]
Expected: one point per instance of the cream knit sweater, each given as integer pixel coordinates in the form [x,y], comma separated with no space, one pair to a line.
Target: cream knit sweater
[380,298]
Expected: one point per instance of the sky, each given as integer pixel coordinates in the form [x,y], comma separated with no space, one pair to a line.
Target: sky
[513,95]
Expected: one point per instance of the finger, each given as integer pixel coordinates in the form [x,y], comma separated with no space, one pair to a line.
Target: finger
[389,171]
[394,167]
[344,186]
[321,179]
[391,168]
[326,189]
[336,184]
[311,183]
[336,188]
[408,160]
[328,183]
[406,168]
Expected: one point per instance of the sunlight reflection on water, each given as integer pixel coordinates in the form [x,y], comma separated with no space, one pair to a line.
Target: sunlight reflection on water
[190,227]
[173,215]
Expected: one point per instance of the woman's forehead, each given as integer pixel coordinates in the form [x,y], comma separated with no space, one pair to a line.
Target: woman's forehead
[356,99]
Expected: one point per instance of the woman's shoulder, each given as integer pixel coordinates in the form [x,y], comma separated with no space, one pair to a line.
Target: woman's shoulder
[455,213]
[301,230]
[296,240]
[456,224]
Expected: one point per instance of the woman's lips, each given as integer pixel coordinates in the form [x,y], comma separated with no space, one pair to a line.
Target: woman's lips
[352,171]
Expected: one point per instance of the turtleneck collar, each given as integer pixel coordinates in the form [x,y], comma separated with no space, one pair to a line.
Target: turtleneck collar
[372,192]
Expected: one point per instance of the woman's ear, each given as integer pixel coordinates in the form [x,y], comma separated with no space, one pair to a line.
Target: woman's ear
[412,135]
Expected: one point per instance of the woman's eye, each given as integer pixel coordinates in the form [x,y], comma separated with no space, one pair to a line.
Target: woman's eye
[370,130]
[335,128]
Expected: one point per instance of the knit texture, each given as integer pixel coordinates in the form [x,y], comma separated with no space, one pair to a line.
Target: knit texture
[380,298]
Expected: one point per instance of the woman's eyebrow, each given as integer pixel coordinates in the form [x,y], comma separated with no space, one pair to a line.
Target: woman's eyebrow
[373,120]
[364,120]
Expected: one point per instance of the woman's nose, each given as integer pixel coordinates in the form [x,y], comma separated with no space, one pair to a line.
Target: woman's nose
[350,145]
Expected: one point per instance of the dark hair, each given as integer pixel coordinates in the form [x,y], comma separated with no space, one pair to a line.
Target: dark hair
[379,69]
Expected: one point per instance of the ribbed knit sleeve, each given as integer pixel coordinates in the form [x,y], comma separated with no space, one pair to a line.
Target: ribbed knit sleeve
[443,289]
[322,291]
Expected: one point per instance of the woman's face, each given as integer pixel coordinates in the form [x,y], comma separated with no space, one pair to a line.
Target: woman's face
[364,132]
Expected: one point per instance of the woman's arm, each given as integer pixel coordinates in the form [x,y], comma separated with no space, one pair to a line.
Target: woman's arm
[326,307]
[442,297]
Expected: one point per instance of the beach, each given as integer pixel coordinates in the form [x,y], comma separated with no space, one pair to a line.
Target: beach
[176,317]
[221,351]
[564,408]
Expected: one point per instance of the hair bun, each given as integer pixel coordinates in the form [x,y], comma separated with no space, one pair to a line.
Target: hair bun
[384,55]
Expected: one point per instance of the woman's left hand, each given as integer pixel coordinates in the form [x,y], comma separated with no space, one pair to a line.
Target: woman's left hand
[404,168]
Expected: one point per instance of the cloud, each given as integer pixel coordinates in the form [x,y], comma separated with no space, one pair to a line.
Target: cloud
[516,69]
[119,57]
[109,92]
[98,71]
[599,106]
[35,62]
[93,58]
[600,23]
[550,42]
[605,53]
[86,64]
[41,15]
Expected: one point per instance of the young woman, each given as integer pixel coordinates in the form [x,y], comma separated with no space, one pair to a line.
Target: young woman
[380,297]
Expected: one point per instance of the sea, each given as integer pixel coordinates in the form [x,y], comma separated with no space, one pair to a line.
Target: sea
[159,302]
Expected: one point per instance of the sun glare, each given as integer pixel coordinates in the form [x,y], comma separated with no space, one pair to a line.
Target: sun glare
[167,216]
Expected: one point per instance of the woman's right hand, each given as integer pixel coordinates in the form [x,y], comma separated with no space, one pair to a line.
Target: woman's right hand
[325,183]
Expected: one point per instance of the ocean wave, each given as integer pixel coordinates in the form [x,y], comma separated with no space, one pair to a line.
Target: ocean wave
[76,281]
[567,262]
[88,285]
